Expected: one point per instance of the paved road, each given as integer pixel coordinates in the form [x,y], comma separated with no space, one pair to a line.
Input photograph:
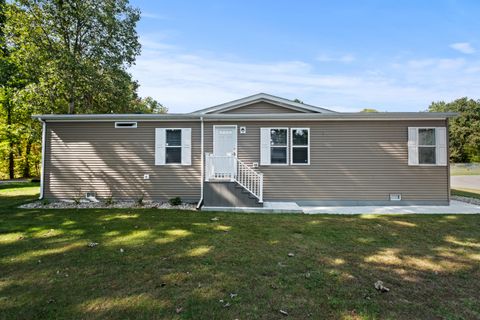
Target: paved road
[468,182]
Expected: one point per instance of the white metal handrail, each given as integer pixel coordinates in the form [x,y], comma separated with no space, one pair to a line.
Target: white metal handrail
[231,168]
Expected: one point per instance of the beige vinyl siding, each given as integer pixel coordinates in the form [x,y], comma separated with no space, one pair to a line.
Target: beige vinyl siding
[94,156]
[349,160]
[262,108]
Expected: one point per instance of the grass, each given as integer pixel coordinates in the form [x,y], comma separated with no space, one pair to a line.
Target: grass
[471,193]
[158,264]
[464,170]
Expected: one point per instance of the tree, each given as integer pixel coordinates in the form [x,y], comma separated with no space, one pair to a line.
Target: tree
[297,100]
[464,129]
[148,105]
[62,56]
[87,46]
[367,110]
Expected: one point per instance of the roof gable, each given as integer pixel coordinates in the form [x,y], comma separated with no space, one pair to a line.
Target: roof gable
[263,103]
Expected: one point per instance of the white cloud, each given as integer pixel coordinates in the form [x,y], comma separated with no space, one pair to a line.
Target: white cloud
[187,82]
[346,58]
[463,47]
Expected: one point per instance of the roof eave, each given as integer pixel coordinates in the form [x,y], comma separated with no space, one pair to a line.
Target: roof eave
[249,117]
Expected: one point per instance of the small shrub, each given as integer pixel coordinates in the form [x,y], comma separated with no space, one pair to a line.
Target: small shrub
[109,200]
[140,200]
[45,202]
[175,201]
[78,196]
[36,180]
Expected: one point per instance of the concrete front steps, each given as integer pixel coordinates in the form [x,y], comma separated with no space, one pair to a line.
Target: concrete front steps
[228,194]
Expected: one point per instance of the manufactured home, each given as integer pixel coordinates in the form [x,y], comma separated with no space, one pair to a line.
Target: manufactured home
[248,152]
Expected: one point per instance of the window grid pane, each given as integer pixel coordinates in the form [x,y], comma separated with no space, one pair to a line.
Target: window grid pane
[426,155]
[300,137]
[426,137]
[173,155]
[300,155]
[174,137]
[278,137]
[278,155]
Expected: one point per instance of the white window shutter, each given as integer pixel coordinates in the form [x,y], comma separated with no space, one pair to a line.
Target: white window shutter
[441,146]
[187,146]
[412,146]
[264,146]
[160,137]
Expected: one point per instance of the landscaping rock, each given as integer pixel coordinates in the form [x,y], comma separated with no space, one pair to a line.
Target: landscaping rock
[69,204]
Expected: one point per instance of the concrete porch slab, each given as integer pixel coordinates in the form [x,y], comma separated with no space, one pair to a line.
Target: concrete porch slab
[268,207]
[455,207]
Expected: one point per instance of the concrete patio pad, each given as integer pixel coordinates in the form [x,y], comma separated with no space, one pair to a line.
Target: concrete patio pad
[455,207]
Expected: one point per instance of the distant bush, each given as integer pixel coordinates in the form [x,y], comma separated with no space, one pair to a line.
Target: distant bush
[36,180]
[175,201]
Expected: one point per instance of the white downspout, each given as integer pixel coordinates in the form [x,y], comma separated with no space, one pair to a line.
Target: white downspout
[42,173]
[201,164]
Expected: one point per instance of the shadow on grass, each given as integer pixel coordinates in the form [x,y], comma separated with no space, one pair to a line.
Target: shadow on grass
[163,264]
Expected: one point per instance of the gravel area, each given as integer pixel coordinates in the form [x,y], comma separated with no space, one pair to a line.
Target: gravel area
[117,204]
[467,200]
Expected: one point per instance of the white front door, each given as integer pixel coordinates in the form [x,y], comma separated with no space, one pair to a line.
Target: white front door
[224,140]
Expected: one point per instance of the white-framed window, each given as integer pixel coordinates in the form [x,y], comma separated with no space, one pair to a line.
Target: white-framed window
[278,145]
[300,146]
[125,124]
[427,146]
[173,146]
[273,146]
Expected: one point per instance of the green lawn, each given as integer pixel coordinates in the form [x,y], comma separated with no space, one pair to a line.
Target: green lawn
[461,170]
[179,265]
[471,193]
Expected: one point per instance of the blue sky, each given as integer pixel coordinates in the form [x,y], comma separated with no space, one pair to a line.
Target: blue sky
[344,55]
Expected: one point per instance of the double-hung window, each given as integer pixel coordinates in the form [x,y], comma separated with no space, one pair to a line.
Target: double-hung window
[173,146]
[427,146]
[278,146]
[300,141]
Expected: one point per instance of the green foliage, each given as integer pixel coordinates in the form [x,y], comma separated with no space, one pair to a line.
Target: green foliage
[175,201]
[367,110]
[464,129]
[62,57]
[140,200]
[109,200]
[298,101]
[148,105]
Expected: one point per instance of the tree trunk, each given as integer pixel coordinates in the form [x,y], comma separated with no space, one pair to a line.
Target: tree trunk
[26,165]
[11,155]
[71,106]
[11,162]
